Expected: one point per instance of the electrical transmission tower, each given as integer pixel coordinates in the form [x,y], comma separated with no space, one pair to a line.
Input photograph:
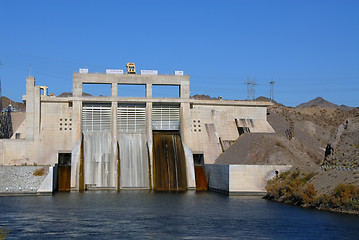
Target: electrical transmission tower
[251,89]
[0,97]
[271,90]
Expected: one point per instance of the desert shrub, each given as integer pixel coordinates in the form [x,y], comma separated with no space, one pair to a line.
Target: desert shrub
[309,194]
[39,172]
[292,187]
[283,175]
[345,197]
[294,175]
[345,191]
[307,177]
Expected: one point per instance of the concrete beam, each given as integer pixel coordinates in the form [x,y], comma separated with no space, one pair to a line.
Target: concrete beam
[101,78]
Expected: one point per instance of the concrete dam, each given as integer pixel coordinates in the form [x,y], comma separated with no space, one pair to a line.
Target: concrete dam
[113,142]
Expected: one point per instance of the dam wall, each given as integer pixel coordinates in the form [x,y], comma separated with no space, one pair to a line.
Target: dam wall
[215,125]
[242,179]
[109,141]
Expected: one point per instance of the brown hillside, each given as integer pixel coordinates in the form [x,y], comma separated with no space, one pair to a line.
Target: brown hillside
[6,102]
[314,128]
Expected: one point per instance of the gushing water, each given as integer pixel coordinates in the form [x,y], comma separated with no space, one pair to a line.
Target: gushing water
[169,162]
[99,166]
[133,161]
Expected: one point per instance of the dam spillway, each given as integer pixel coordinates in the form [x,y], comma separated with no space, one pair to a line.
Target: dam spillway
[99,167]
[169,162]
[133,161]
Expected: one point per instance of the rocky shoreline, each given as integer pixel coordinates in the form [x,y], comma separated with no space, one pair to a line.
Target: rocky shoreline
[296,188]
[21,180]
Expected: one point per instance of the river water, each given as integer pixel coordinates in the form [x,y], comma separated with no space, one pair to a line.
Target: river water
[166,215]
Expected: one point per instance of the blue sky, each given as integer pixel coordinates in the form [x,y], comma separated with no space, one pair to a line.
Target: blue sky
[309,48]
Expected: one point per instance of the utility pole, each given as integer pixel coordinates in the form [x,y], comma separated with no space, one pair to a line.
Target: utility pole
[271,90]
[251,91]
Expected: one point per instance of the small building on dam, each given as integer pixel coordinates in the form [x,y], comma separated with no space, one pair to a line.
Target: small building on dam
[114,142]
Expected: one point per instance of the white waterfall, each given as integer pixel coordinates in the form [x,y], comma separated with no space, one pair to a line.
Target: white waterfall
[99,163]
[133,161]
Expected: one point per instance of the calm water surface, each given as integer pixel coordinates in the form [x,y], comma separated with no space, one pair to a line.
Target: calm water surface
[148,215]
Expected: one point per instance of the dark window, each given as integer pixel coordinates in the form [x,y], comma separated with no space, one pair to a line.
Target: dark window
[198,159]
[64,159]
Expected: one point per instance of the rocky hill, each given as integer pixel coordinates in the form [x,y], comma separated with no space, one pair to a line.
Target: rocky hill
[325,141]
[322,103]
[203,97]
[18,105]
[69,94]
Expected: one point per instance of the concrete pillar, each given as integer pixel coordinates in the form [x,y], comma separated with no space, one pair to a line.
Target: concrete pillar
[149,139]
[114,135]
[185,129]
[114,90]
[37,112]
[76,131]
[76,143]
[149,91]
[184,89]
[77,85]
[30,98]
[185,121]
